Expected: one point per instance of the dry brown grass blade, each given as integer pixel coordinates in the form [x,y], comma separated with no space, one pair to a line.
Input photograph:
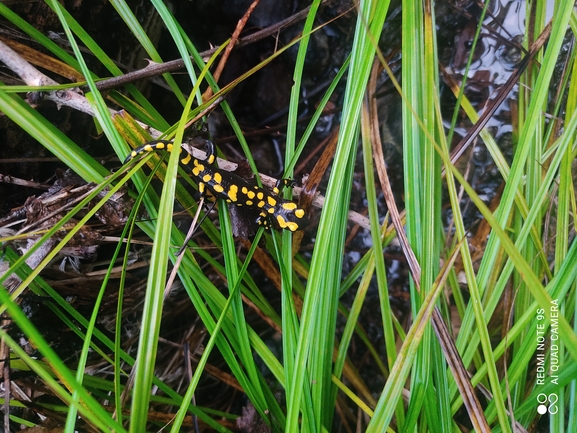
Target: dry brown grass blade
[501,96]
[308,193]
[44,61]
[313,181]
[452,356]
[233,41]
[380,165]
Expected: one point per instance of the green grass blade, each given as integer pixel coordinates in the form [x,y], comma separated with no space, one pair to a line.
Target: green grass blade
[318,315]
[51,138]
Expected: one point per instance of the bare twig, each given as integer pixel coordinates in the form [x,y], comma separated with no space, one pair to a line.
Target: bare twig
[22,182]
[33,77]
[154,69]
[72,98]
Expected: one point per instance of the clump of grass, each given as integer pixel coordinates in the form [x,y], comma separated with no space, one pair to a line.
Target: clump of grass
[440,371]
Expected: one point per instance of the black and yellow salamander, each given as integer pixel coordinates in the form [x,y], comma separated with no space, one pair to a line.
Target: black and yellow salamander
[269,208]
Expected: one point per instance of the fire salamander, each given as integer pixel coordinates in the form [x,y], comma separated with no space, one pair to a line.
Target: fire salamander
[270,209]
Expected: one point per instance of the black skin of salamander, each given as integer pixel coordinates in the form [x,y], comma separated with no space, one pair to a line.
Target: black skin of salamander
[271,209]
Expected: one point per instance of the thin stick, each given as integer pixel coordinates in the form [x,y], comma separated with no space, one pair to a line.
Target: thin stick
[154,69]
[180,254]
[233,41]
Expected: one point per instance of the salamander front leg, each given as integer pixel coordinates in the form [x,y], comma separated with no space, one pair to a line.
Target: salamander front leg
[281,183]
[263,220]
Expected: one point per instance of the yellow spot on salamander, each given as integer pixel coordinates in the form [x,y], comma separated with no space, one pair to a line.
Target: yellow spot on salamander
[148,148]
[283,224]
[299,213]
[261,203]
[260,195]
[250,194]
[211,159]
[244,190]
[217,178]
[218,188]
[271,200]
[232,191]
[271,210]
[186,159]
[198,168]
[207,178]
[289,205]
[249,202]
[201,188]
